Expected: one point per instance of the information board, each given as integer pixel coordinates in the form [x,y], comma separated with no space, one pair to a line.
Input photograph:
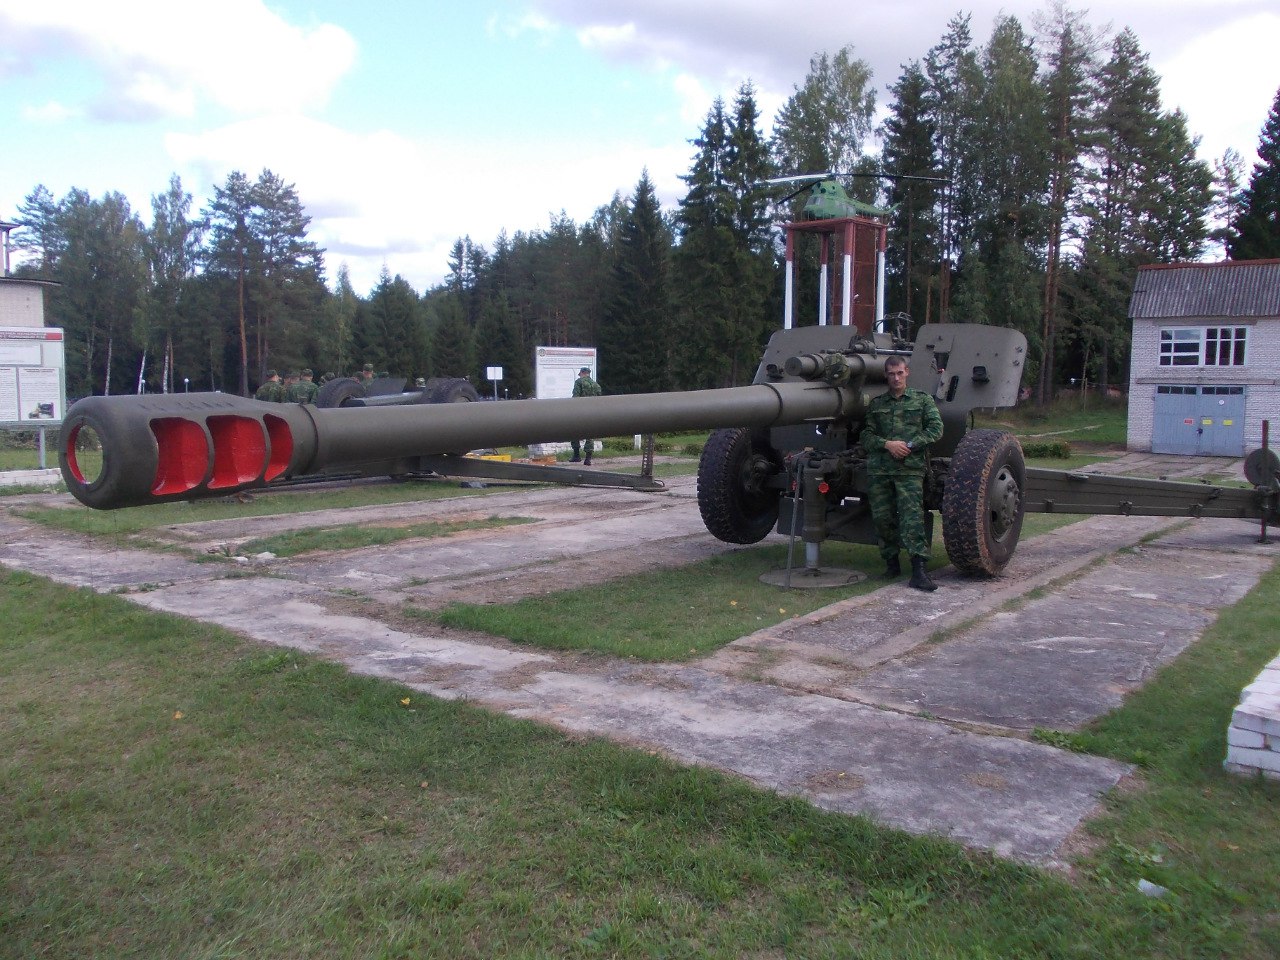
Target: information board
[555,369]
[33,382]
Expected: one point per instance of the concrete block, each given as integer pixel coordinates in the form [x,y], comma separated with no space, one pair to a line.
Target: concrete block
[1259,759]
[1245,718]
[1262,687]
[1246,738]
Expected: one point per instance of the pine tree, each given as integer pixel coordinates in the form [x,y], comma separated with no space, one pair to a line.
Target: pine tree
[288,284]
[173,251]
[951,67]
[499,344]
[452,338]
[1258,227]
[41,238]
[232,252]
[1147,202]
[908,134]
[1228,181]
[393,312]
[1008,150]
[701,264]
[635,333]
[1071,51]
[103,272]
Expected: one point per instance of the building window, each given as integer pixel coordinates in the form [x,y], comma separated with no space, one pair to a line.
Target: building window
[1203,346]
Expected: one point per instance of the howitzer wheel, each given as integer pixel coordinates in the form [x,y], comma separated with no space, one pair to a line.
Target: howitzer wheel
[736,504]
[982,506]
[1262,467]
[454,390]
[338,391]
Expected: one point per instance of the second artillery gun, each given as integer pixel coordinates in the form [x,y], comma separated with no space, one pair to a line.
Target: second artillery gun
[784,453]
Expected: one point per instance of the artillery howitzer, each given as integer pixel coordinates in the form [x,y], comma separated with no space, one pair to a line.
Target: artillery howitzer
[784,453]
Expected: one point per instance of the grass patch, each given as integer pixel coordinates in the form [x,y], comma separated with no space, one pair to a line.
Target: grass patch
[173,791]
[1092,420]
[131,520]
[352,536]
[673,614]
[682,613]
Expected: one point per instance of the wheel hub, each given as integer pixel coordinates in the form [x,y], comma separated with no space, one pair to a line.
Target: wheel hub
[1004,502]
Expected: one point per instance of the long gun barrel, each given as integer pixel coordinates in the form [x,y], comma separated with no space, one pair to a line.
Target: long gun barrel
[188,446]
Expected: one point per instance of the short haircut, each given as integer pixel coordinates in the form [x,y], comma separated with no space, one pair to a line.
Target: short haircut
[895,361]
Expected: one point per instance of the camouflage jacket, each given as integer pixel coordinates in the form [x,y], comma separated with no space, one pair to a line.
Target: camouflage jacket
[586,387]
[304,391]
[913,417]
[272,391]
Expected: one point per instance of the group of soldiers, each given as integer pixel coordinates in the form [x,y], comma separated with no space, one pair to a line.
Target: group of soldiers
[299,386]
[296,387]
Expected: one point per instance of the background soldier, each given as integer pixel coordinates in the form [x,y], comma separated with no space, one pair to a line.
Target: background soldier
[584,386]
[305,390]
[271,390]
[900,425]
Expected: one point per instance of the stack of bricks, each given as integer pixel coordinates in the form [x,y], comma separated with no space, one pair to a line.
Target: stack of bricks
[1253,739]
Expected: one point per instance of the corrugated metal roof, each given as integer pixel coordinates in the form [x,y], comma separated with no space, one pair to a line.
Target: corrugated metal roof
[1243,288]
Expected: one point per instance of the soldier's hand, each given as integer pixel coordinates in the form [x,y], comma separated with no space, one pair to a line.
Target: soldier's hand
[897,449]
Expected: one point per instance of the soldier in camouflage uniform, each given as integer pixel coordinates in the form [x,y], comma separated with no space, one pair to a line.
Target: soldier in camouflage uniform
[305,390]
[899,427]
[271,390]
[584,386]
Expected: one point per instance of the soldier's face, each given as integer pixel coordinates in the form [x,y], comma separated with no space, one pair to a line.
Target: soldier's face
[897,379]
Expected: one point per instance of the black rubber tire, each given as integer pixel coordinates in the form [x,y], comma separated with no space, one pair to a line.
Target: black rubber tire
[982,502]
[338,391]
[454,390]
[733,504]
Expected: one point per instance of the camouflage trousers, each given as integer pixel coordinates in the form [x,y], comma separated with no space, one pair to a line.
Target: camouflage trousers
[577,447]
[897,509]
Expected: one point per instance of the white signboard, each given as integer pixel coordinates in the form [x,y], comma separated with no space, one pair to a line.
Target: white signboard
[33,389]
[555,369]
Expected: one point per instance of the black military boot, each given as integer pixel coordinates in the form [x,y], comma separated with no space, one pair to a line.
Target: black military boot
[892,568]
[920,576]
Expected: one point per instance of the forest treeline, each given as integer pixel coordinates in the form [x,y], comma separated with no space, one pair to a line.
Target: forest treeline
[1061,174]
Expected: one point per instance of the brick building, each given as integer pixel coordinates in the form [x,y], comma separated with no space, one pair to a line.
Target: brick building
[1205,369]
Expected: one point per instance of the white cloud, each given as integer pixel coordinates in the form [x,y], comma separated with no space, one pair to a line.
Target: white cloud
[50,113]
[516,27]
[384,198]
[1235,62]
[157,58]
[695,101]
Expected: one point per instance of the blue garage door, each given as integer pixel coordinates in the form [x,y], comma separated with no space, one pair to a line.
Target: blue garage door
[1199,420]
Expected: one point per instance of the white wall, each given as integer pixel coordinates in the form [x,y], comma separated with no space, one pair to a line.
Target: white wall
[21,304]
[1260,376]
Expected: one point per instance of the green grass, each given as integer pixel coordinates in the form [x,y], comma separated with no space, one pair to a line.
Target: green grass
[351,536]
[681,613]
[671,614]
[28,458]
[1092,421]
[173,791]
[131,520]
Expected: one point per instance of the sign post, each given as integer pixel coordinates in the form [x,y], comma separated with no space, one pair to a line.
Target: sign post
[33,386]
[493,374]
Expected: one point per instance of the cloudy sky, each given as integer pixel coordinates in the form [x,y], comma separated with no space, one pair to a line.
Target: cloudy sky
[407,125]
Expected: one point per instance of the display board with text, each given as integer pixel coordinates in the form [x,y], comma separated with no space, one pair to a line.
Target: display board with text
[33,391]
[555,369]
